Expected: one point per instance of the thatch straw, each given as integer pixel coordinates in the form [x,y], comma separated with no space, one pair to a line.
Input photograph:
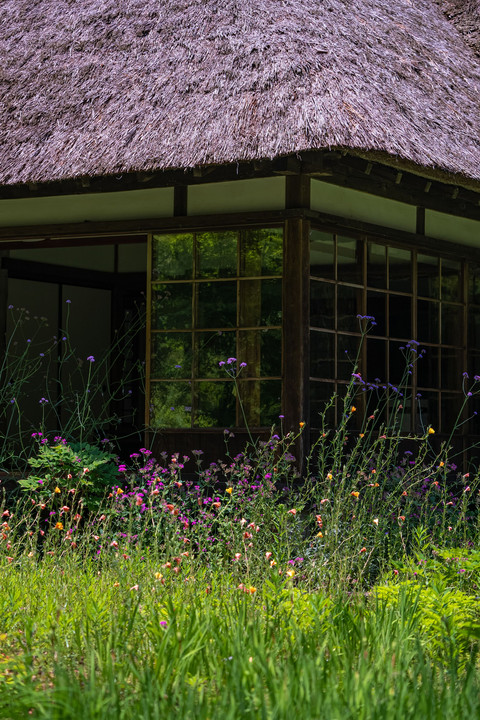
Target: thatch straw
[94,87]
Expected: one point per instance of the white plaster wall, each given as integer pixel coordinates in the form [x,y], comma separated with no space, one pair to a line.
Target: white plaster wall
[237,196]
[451,227]
[127,205]
[356,205]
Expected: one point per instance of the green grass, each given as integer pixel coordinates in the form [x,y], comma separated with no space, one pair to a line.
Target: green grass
[82,638]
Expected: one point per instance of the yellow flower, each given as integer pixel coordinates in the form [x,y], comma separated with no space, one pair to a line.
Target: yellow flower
[319,534]
[302,424]
[229,491]
[355,493]
[158,576]
[353,409]
[362,435]
[431,431]
[441,464]
[290,573]
[58,526]
[119,491]
[329,476]
[57,490]
[252,589]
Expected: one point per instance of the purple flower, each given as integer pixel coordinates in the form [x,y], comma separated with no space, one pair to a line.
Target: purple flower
[91,359]
[68,302]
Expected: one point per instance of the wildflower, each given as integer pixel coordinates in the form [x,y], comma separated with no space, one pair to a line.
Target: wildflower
[216,505]
[57,490]
[114,544]
[329,476]
[431,431]
[355,493]
[401,517]
[362,435]
[272,563]
[65,508]
[252,590]
[91,359]
[404,493]
[364,549]
[290,573]
[247,535]
[319,520]
[237,556]
[229,490]
[268,555]
[301,424]
[139,500]
[292,512]
[325,500]
[134,587]
[441,464]
[319,534]
[375,521]
[59,526]
[353,409]
[467,489]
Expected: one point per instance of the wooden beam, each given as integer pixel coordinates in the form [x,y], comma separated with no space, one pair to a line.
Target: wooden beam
[295,328]
[297,191]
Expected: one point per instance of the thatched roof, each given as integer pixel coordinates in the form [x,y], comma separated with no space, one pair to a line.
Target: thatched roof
[94,87]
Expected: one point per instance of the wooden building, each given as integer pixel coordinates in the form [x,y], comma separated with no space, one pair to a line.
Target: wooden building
[264,172]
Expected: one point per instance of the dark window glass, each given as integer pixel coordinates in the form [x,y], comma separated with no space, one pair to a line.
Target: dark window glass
[322,305]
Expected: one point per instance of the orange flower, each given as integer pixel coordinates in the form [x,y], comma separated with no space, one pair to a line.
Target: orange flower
[58,526]
[292,512]
[229,491]
[355,493]
[301,425]
[364,549]
[353,409]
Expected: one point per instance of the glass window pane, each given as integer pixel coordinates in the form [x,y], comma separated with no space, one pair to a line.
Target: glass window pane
[270,401]
[428,321]
[262,351]
[347,348]
[474,284]
[427,410]
[261,252]
[320,395]
[322,305]
[171,355]
[322,254]
[349,260]
[400,317]
[217,254]
[172,257]
[212,348]
[376,307]
[376,361]
[172,306]
[215,404]
[349,305]
[260,302]
[428,272]
[322,355]
[427,368]
[171,405]
[399,270]
[217,304]
[452,324]
[450,407]
[451,280]
[452,369]
[398,372]
[376,265]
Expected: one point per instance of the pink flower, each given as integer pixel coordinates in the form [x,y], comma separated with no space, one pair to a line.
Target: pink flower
[292,512]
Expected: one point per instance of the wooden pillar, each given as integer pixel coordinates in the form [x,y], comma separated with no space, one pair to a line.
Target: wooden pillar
[296,314]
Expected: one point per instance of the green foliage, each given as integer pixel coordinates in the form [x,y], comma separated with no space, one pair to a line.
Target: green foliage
[89,470]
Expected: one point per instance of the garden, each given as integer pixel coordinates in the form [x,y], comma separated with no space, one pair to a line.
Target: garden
[157,587]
